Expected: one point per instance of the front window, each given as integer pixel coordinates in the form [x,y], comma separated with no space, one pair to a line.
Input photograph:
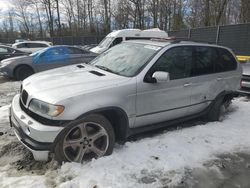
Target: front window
[125,59]
[176,61]
[106,42]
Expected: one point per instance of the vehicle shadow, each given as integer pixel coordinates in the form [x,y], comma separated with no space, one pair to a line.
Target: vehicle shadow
[156,132]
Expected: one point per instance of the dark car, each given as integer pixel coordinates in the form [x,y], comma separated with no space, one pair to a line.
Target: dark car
[45,59]
[8,52]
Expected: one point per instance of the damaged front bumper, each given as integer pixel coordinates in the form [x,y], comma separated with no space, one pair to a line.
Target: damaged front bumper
[38,138]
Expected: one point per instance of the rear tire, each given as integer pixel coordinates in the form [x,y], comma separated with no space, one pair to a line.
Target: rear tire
[84,139]
[23,72]
[217,110]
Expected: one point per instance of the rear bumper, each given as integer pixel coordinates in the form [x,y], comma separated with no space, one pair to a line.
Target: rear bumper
[244,91]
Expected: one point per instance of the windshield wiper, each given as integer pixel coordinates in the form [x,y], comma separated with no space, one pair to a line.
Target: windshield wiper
[105,68]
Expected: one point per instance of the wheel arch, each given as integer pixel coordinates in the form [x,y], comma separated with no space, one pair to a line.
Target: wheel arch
[118,119]
[20,65]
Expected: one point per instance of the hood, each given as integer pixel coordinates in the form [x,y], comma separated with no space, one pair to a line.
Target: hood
[58,84]
[18,58]
[246,69]
[98,49]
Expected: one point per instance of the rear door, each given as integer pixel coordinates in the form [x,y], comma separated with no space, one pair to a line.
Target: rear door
[75,55]
[78,55]
[210,75]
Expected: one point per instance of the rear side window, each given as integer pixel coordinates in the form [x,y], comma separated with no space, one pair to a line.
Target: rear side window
[204,60]
[176,61]
[138,38]
[23,45]
[226,62]
[73,50]
[36,45]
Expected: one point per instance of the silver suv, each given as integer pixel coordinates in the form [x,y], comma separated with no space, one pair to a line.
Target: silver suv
[78,112]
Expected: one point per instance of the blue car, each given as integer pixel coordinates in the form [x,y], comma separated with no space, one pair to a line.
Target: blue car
[21,67]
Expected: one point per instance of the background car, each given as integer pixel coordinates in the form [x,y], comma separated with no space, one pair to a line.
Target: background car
[48,58]
[8,52]
[243,59]
[245,81]
[31,46]
[20,40]
[117,36]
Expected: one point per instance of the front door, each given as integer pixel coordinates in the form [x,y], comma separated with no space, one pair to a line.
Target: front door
[158,102]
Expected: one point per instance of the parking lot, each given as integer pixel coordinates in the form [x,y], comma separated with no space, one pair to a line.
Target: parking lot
[193,154]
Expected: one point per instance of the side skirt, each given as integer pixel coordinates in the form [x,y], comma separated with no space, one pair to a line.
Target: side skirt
[146,128]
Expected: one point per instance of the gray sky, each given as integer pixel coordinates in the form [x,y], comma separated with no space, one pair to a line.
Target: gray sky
[4,4]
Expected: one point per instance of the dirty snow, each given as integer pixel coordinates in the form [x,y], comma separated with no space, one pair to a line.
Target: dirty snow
[157,160]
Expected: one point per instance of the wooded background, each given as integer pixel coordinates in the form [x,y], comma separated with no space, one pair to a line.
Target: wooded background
[55,18]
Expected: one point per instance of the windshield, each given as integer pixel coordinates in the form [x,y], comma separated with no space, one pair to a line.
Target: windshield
[125,59]
[38,52]
[106,42]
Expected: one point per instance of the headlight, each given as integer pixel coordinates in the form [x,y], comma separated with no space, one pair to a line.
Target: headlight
[45,109]
[6,62]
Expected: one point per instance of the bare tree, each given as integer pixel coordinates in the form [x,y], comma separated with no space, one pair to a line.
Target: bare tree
[245,11]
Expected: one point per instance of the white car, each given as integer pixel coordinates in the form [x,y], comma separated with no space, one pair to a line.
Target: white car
[31,46]
[116,37]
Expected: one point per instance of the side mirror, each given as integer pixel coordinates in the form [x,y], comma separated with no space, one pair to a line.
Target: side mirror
[161,76]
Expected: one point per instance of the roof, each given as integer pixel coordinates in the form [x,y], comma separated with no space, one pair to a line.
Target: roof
[30,41]
[151,42]
[138,33]
[166,42]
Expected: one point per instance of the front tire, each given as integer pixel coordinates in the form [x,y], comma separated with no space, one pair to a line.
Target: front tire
[84,139]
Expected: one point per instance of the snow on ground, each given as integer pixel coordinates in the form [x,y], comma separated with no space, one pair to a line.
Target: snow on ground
[7,91]
[152,161]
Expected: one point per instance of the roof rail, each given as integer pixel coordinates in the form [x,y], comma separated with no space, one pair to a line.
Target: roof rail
[175,40]
[178,40]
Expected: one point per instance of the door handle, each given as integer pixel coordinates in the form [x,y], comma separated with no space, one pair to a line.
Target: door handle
[187,84]
[219,79]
